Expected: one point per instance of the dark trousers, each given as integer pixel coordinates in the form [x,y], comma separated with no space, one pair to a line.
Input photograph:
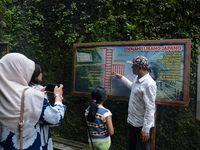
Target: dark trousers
[134,140]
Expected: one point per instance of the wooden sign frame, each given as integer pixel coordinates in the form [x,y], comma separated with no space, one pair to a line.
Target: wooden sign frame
[2,46]
[173,55]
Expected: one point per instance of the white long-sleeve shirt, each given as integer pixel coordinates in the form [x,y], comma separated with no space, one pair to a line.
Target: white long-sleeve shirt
[141,107]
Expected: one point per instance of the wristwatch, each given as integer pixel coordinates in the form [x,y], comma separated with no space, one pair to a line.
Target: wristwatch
[59,96]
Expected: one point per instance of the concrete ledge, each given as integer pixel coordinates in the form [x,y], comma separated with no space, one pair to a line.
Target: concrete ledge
[65,144]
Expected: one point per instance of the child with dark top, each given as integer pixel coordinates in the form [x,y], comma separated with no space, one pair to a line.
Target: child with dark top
[99,121]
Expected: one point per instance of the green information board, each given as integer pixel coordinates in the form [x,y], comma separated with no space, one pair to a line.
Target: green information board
[169,66]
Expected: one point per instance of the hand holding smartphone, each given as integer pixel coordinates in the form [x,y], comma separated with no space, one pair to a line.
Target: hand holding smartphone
[50,87]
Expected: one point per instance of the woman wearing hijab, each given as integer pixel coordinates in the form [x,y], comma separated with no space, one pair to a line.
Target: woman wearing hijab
[15,74]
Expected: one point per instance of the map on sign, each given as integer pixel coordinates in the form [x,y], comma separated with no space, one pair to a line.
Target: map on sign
[94,66]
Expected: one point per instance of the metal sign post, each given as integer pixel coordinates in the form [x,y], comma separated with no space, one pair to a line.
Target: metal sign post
[198,93]
[4,48]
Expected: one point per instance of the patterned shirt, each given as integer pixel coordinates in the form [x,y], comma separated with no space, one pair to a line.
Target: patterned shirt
[141,107]
[38,87]
[40,137]
[98,129]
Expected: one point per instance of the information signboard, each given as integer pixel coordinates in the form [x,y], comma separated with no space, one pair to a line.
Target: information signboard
[169,66]
[4,48]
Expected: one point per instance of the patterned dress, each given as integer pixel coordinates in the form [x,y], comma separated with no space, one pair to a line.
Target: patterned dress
[38,87]
[40,137]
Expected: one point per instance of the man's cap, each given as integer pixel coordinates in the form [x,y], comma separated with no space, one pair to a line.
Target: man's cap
[140,61]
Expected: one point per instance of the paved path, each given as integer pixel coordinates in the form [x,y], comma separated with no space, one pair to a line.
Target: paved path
[65,144]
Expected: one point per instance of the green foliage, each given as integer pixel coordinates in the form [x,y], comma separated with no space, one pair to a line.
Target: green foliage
[45,31]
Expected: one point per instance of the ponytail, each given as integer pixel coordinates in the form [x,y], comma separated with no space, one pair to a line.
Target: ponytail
[92,112]
[98,94]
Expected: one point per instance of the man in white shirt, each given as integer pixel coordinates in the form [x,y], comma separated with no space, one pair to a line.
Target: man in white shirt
[141,107]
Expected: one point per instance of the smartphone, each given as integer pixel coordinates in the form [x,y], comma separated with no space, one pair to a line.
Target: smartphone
[50,87]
